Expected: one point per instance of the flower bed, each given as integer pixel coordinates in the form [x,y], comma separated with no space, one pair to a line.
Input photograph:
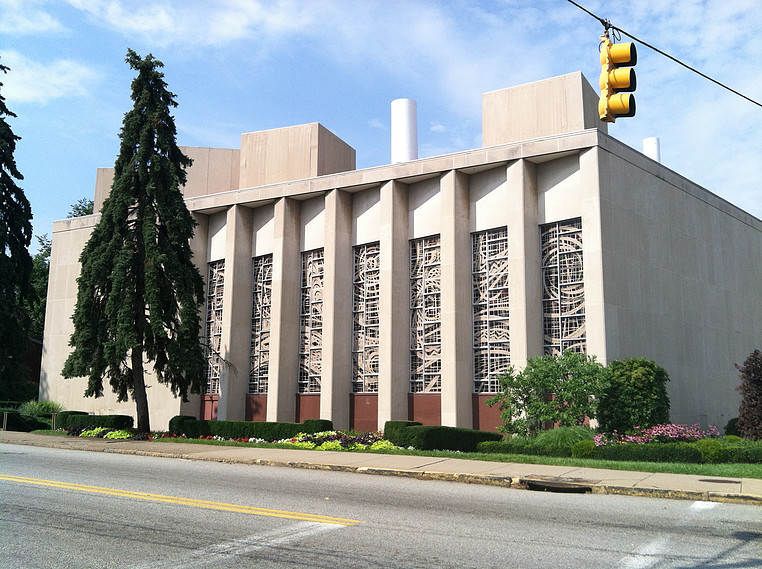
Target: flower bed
[667,433]
[325,440]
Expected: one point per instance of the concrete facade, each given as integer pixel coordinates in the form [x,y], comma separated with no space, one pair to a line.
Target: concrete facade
[643,263]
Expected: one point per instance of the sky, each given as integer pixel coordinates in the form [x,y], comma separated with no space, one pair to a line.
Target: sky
[239,66]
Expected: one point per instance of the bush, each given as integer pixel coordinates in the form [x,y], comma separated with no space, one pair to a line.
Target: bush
[18,422]
[713,451]
[670,433]
[554,442]
[750,411]
[562,439]
[395,432]
[650,452]
[317,425]
[583,449]
[115,422]
[551,389]
[62,419]
[636,395]
[425,437]
[514,445]
[40,408]
[731,429]
[176,423]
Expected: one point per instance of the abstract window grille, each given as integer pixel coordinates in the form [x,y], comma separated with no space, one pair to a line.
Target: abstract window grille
[365,331]
[259,358]
[215,291]
[311,322]
[425,316]
[563,287]
[492,350]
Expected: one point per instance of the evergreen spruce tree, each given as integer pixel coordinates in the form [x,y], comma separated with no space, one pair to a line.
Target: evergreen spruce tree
[139,292]
[16,291]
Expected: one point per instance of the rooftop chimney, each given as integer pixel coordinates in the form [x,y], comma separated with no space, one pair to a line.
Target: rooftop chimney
[651,148]
[404,130]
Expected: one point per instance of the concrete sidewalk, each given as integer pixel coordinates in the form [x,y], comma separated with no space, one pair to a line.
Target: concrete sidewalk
[513,475]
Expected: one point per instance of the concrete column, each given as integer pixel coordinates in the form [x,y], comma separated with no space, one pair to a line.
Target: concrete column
[457,328]
[336,384]
[524,278]
[198,245]
[284,322]
[394,305]
[602,332]
[236,315]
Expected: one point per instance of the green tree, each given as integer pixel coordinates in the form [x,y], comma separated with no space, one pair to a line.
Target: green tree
[636,396]
[40,274]
[16,291]
[139,292]
[550,389]
[83,206]
[750,412]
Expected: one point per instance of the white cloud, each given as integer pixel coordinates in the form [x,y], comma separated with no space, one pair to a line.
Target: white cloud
[199,23]
[437,127]
[378,124]
[21,17]
[29,81]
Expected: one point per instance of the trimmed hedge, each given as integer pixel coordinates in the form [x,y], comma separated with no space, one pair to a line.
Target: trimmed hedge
[269,431]
[394,432]
[426,437]
[116,422]
[62,419]
[521,445]
[650,452]
[704,451]
[24,423]
[176,423]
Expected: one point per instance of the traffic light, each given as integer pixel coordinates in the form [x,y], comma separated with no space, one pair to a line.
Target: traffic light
[617,80]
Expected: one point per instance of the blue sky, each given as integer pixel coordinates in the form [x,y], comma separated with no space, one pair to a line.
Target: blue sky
[245,65]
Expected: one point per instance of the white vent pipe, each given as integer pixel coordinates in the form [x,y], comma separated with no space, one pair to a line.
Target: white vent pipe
[404,130]
[651,148]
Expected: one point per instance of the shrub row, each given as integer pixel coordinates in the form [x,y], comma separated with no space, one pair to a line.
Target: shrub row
[18,422]
[269,431]
[73,419]
[522,445]
[705,451]
[62,419]
[423,437]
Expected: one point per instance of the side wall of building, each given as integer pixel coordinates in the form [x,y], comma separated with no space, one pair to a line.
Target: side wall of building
[682,278]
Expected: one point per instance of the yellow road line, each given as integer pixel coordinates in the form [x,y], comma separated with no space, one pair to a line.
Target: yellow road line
[183,501]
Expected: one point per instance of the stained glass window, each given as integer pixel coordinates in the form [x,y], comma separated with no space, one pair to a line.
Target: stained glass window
[563,287]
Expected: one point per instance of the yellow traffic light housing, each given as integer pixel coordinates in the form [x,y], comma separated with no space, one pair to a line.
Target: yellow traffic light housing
[617,80]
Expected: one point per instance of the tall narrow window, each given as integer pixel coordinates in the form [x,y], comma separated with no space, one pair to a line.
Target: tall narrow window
[259,364]
[563,288]
[215,290]
[492,349]
[425,316]
[311,322]
[365,332]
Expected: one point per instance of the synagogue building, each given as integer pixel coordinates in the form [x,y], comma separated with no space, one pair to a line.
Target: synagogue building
[403,291]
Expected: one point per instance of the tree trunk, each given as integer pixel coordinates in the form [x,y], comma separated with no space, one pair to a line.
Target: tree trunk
[139,392]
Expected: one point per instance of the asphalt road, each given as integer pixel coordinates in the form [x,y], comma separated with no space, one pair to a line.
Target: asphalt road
[73,509]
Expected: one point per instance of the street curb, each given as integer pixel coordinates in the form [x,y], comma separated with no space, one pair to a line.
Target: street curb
[530,482]
[679,494]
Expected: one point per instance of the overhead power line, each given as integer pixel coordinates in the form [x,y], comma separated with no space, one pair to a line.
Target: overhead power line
[608,25]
